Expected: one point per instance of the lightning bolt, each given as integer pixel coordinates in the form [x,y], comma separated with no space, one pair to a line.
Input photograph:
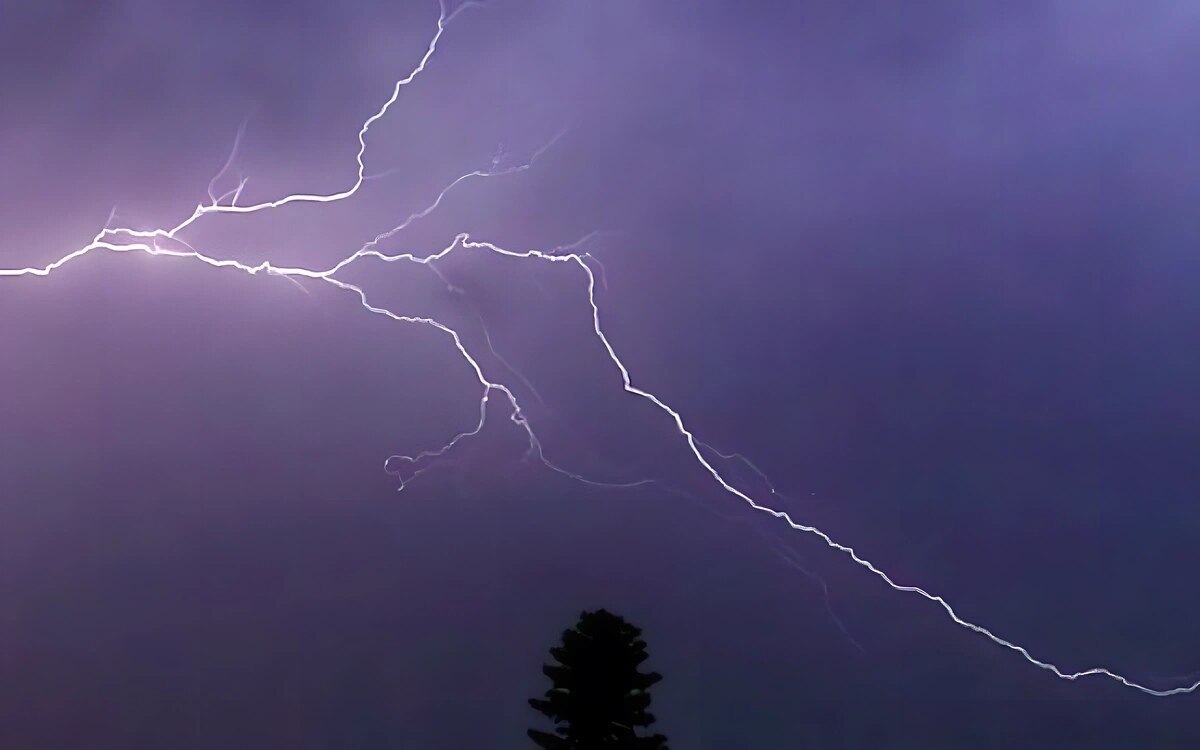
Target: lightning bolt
[168,242]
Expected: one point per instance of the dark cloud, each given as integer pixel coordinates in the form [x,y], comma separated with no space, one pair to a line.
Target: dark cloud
[928,265]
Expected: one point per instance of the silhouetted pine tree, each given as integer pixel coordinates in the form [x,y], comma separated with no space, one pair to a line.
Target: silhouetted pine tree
[599,697]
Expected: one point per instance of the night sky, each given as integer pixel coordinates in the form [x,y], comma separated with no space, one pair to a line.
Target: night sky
[930,266]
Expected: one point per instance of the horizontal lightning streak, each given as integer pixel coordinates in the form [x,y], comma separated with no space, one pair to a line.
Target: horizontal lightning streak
[147,241]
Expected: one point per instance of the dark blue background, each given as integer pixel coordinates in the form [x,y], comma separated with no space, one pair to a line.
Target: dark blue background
[930,267]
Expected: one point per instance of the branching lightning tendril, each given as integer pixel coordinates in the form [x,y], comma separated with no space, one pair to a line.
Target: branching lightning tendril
[151,242]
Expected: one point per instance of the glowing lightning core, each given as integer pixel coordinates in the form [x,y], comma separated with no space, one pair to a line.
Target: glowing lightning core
[123,240]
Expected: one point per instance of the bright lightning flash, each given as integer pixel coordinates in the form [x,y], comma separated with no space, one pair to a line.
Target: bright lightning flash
[151,242]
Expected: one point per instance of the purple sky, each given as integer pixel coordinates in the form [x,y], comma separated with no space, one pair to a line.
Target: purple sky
[930,266]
